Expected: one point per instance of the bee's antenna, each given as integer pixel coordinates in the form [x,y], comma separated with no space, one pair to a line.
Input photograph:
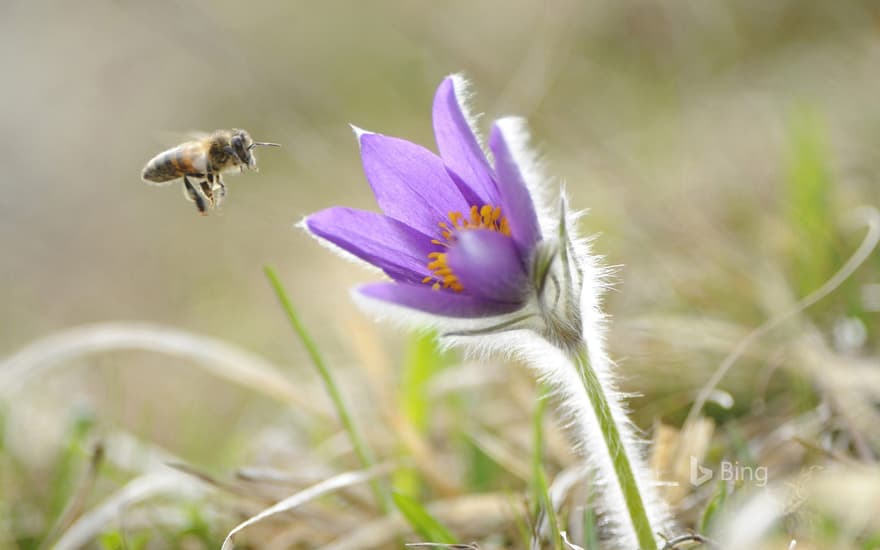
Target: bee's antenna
[264,144]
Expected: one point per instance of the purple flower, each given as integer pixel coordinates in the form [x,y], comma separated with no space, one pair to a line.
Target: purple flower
[461,239]
[457,234]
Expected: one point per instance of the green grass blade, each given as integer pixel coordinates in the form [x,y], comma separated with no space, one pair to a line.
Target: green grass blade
[591,529]
[70,461]
[714,508]
[540,487]
[360,448]
[810,207]
[421,521]
[423,360]
[116,540]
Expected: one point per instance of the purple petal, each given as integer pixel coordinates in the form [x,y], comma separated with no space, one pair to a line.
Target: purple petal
[438,302]
[516,202]
[397,249]
[459,147]
[488,265]
[410,183]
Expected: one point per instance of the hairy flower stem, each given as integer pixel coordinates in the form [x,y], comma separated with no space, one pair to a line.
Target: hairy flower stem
[365,456]
[611,434]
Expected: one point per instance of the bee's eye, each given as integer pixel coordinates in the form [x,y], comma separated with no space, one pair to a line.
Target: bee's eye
[232,149]
[240,151]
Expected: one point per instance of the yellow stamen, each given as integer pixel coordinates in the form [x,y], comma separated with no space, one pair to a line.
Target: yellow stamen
[478,217]
[486,215]
[475,216]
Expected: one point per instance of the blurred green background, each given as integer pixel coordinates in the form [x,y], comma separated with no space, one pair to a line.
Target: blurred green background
[720,148]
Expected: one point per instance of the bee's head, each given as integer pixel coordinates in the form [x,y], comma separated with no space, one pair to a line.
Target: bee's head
[242,147]
[240,143]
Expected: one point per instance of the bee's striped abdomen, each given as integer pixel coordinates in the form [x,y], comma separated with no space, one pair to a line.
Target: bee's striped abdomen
[174,163]
[163,167]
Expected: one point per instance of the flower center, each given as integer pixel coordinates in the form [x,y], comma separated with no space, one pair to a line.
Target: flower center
[480,217]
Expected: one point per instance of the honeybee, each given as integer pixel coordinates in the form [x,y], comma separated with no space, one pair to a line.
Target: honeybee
[205,160]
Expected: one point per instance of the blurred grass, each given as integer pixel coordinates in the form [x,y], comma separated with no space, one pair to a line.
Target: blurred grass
[543,505]
[720,149]
[810,212]
[423,359]
[421,521]
[364,453]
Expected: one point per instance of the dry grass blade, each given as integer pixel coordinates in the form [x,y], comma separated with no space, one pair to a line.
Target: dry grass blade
[218,484]
[558,491]
[677,542]
[501,452]
[471,546]
[322,488]
[564,482]
[568,544]
[485,513]
[871,218]
[268,475]
[745,525]
[93,523]
[131,454]
[848,495]
[427,461]
[851,495]
[218,357]
[672,452]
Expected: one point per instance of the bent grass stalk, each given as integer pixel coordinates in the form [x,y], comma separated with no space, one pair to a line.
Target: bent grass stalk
[870,216]
[360,448]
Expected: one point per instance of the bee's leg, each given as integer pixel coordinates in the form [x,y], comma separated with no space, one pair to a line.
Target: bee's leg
[207,189]
[219,189]
[194,196]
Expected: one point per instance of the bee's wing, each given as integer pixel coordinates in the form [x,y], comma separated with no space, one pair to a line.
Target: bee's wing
[169,138]
[197,135]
